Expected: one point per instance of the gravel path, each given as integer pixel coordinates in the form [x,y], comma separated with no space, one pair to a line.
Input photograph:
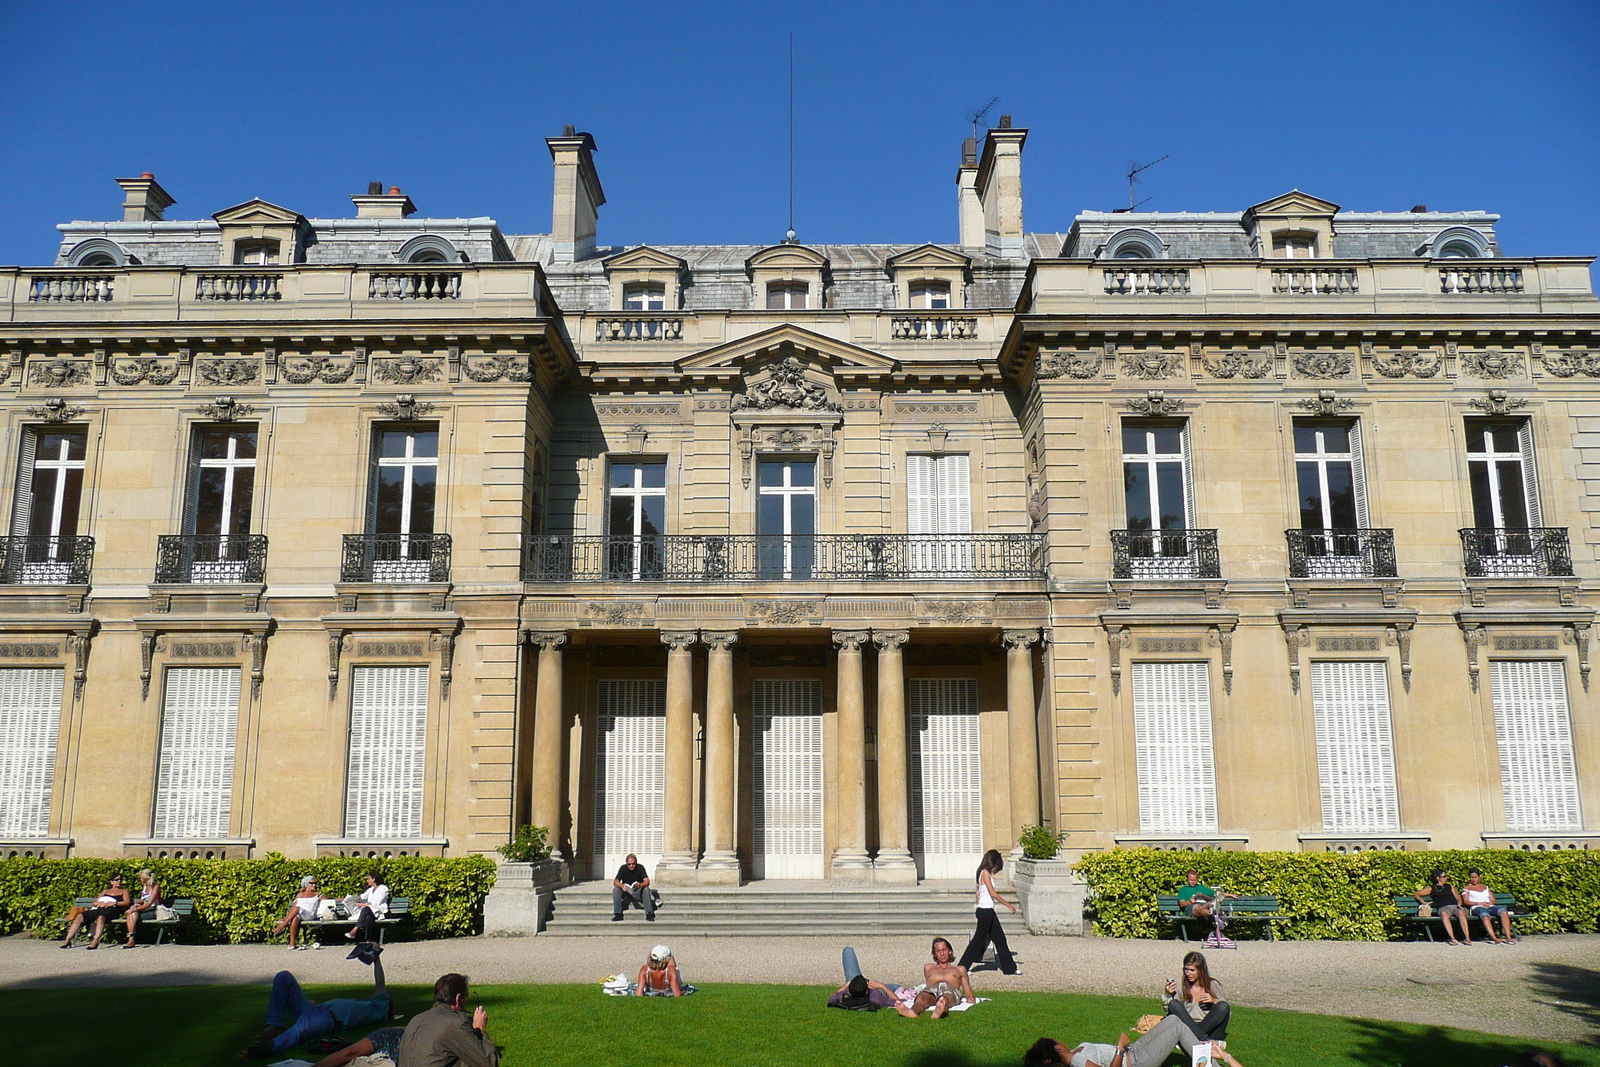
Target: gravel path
[1543,987]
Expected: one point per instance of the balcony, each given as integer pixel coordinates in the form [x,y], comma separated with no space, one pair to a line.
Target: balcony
[1479,279]
[46,560]
[775,558]
[238,285]
[184,559]
[396,558]
[1165,555]
[90,288]
[933,327]
[1146,281]
[639,327]
[1537,552]
[1315,281]
[1341,554]
[414,283]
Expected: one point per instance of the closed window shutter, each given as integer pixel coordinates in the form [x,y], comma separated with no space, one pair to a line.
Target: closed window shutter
[388,722]
[22,505]
[630,771]
[787,806]
[194,783]
[1358,474]
[946,776]
[1530,478]
[1534,730]
[1189,518]
[30,717]
[1355,747]
[920,505]
[191,500]
[955,494]
[374,451]
[1172,742]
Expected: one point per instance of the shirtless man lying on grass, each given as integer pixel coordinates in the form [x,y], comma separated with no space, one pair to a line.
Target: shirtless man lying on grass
[944,983]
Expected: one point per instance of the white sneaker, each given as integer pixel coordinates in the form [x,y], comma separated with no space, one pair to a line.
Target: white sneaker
[316,945]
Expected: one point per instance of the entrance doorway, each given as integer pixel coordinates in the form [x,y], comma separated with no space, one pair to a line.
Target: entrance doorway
[946,777]
[788,778]
[629,772]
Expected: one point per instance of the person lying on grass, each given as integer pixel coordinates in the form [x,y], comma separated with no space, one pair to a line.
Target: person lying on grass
[659,976]
[860,993]
[1151,1049]
[944,983]
[293,1017]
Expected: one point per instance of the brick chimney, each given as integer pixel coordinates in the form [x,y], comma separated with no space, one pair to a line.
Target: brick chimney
[578,196]
[969,209]
[144,200]
[999,184]
[380,205]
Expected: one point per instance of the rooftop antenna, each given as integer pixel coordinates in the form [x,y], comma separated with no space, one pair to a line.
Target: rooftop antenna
[1134,170]
[790,236]
[977,116]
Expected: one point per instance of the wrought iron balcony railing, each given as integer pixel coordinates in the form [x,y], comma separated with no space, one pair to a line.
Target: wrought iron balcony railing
[1341,553]
[398,558]
[46,560]
[760,557]
[1537,552]
[210,560]
[1160,555]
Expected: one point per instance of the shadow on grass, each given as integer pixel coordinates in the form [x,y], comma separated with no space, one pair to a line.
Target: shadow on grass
[1377,1042]
[1573,991]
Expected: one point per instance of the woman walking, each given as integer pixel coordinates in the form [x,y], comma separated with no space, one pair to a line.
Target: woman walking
[988,923]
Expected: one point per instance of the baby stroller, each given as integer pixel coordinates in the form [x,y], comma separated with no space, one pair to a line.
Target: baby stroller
[1221,912]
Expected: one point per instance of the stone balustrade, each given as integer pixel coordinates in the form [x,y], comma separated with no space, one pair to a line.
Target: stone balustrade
[1315,281]
[933,328]
[1141,281]
[70,288]
[414,284]
[666,327]
[1479,278]
[237,285]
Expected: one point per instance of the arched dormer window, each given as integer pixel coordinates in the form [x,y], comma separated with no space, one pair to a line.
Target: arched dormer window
[1133,244]
[97,252]
[428,248]
[1457,242]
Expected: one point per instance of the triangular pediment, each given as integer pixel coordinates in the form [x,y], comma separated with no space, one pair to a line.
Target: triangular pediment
[929,256]
[787,257]
[255,212]
[1293,204]
[780,342]
[643,258]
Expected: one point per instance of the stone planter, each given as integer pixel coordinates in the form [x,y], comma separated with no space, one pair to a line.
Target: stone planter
[519,903]
[1050,897]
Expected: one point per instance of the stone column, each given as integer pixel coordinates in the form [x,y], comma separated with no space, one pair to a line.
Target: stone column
[850,860]
[677,837]
[549,727]
[720,865]
[1022,730]
[894,862]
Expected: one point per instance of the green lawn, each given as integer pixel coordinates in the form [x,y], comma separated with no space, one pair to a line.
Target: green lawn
[721,1026]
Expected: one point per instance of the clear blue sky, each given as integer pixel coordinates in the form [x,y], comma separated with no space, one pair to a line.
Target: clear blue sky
[1459,105]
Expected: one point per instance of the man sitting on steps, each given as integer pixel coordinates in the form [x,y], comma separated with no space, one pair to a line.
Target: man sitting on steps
[632,883]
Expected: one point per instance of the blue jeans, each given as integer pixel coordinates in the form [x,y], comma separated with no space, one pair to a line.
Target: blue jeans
[852,967]
[305,1019]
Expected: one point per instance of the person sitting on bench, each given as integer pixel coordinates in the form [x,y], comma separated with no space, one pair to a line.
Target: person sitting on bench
[149,900]
[304,909]
[1197,899]
[632,885]
[1442,897]
[1480,898]
[367,909]
[293,1017]
[111,902]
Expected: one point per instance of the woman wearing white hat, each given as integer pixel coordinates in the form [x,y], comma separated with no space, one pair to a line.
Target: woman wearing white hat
[659,976]
[304,909]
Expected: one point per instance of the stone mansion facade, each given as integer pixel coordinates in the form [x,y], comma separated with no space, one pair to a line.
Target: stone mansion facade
[1272,529]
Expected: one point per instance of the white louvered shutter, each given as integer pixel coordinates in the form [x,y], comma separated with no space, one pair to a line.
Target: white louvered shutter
[30,718]
[1172,742]
[194,783]
[946,767]
[787,804]
[388,742]
[1358,474]
[630,772]
[1534,729]
[1355,747]
[954,487]
[1530,478]
[1189,517]
[22,503]
[921,514]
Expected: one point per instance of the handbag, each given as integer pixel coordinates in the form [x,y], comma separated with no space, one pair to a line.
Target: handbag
[1424,911]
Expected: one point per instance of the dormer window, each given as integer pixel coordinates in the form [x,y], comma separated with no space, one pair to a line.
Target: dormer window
[255,253]
[1294,244]
[428,255]
[932,296]
[787,296]
[644,296]
[1458,250]
[1133,244]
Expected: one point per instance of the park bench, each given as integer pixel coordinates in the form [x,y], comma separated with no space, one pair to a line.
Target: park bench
[182,908]
[1408,908]
[1262,909]
[399,908]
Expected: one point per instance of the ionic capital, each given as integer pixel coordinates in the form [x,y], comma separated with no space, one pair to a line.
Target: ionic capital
[719,641]
[547,640]
[1019,640]
[679,640]
[890,640]
[850,641]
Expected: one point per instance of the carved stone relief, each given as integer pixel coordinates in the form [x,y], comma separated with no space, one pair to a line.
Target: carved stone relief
[1324,365]
[1494,363]
[1064,364]
[785,387]
[494,368]
[1408,364]
[303,370]
[227,371]
[1152,365]
[406,371]
[1571,363]
[144,370]
[1238,365]
[59,373]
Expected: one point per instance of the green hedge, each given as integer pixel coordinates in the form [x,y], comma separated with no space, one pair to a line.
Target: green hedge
[239,901]
[1339,897]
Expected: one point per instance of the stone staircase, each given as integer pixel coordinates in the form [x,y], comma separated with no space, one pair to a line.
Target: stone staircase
[772,909]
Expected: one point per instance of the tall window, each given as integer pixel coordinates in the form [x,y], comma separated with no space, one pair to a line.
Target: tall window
[1500,466]
[787,296]
[934,296]
[1327,454]
[786,517]
[939,503]
[637,519]
[49,490]
[1172,742]
[405,470]
[1155,474]
[388,741]
[644,296]
[30,718]
[199,723]
[222,480]
[1355,747]
[1533,727]
[1294,245]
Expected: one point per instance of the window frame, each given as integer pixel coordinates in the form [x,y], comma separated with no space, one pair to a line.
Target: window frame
[649,296]
[230,465]
[788,288]
[1492,459]
[1152,460]
[928,290]
[409,462]
[1321,459]
[787,492]
[637,557]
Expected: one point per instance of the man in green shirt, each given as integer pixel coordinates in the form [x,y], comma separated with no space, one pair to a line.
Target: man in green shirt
[1195,899]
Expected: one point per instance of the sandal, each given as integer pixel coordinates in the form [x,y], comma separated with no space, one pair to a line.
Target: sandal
[128,943]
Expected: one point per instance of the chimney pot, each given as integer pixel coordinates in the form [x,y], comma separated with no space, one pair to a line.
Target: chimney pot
[969,152]
[374,188]
[394,190]
[1005,122]
[576,198]
[569,131]
[1419,209]
[146,174]
[143,199]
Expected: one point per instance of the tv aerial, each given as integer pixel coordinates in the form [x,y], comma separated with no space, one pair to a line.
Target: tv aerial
[1134,170]
[977,116]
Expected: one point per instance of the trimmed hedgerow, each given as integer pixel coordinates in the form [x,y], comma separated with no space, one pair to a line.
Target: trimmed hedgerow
[238,901]
[1340,897]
